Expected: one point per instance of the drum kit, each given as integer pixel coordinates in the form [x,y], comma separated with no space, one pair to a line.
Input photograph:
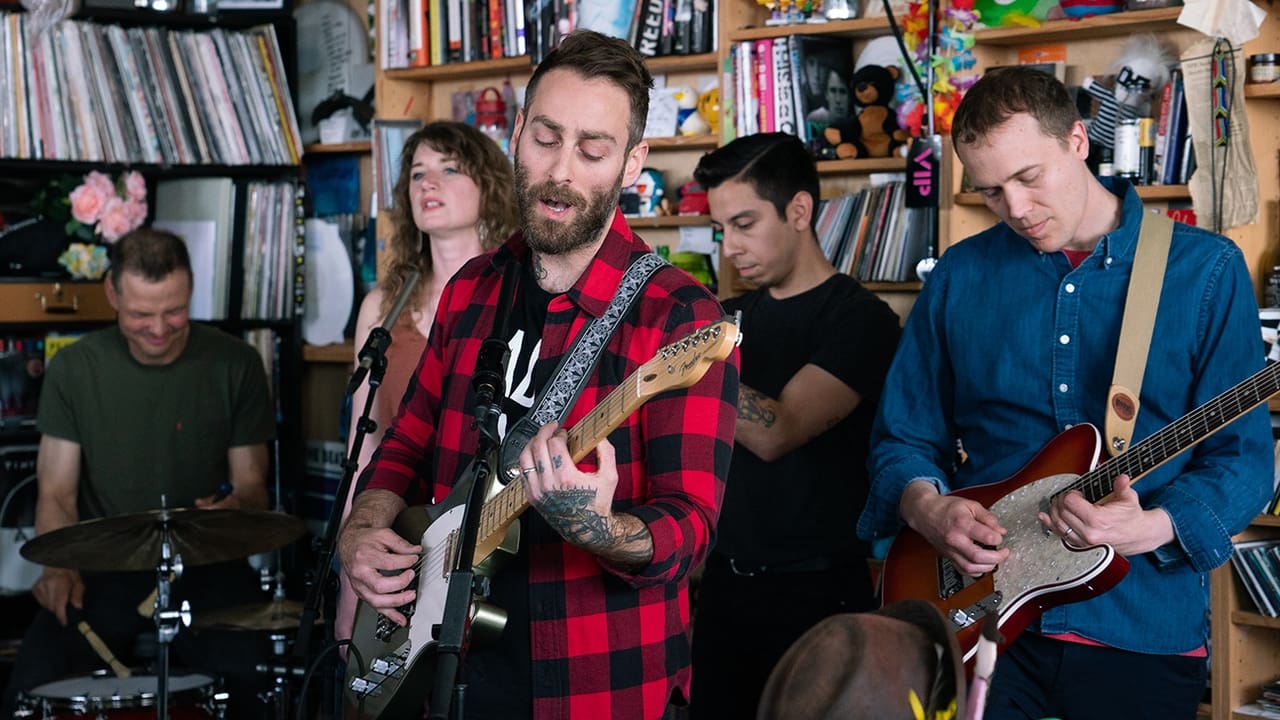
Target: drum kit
[166,541]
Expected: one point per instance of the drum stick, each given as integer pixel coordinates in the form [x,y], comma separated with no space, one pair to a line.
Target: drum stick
[147,608]
[102,650]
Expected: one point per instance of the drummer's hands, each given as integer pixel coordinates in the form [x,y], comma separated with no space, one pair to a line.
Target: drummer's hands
[218,502]
[55,588]
[365,554]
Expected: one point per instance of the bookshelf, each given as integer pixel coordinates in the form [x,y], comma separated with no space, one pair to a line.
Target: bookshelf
[1246,644]
[740,21]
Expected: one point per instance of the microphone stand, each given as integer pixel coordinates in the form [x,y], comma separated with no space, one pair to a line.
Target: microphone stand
[449,691]
[372,361]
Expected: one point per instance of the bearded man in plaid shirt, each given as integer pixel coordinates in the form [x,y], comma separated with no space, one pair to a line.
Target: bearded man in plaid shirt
[597,596]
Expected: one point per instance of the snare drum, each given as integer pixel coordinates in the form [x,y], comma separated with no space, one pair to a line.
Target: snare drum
[102,695]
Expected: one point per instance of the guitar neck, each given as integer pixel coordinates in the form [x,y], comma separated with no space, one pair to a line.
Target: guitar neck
[1183,433]
[502,509]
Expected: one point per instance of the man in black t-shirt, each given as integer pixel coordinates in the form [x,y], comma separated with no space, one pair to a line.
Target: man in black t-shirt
[816,346]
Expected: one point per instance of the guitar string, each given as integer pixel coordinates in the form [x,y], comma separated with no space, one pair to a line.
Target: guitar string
[506,500]
[1184,432]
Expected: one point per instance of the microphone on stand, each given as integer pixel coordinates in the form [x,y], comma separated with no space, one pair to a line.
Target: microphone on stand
[375,346]
[489,380]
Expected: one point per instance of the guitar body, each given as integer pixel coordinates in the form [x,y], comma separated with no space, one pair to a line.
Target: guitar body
[409,651]
[1041,571]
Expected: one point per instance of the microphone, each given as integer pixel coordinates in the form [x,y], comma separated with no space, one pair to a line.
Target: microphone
[375,346]
[489,381]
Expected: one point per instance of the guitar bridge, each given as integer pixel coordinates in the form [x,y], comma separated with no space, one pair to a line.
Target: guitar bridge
[964,617]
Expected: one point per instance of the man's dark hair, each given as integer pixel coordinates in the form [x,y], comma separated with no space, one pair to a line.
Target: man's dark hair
[154,254]
[1007,91]
[591,55]
[775,164]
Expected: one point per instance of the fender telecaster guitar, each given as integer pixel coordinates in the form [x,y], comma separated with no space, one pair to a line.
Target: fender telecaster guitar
[397,675]
[1041,571]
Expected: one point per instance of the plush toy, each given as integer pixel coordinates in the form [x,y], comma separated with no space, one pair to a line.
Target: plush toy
[1141,70]
[709,108]
[693,199]
[873,88]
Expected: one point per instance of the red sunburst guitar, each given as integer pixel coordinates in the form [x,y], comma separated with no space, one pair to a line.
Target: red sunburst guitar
[1041,572]
[395,679]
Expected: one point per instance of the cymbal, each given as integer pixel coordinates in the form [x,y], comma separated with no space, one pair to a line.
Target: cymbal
[132,542]
[274,615]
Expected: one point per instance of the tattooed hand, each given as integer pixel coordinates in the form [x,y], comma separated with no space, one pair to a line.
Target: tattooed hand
[579,505]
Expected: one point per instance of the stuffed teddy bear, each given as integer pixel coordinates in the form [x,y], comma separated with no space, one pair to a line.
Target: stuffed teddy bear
[873,88]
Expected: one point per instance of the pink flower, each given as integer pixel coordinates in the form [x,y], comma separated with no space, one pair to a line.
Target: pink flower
[115,220]
[101,181]
[136,211]
[136,188]
[88,201]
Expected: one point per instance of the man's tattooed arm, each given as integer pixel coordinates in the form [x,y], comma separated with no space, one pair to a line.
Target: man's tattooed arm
[621,539]
[756,407]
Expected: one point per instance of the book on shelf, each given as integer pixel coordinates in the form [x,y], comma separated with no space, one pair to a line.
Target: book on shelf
[388,141]
[795,83]
[1257,564]
[871,234]
[201,212]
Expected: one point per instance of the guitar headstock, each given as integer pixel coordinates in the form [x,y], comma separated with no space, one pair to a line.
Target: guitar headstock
[683,362]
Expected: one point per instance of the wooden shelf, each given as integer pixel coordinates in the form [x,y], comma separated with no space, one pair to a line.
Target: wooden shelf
[667,221]
[355,146]
[862,165]
[1125,23]
[909,286]
[1262,90]
[336,353]
[682,63]
[521,64]
[1253,619]
[860,27]
[459,71]
[1157,193]
[694,142]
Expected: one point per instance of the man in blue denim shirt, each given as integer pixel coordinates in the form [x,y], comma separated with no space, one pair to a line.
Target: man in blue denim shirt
[1013,340]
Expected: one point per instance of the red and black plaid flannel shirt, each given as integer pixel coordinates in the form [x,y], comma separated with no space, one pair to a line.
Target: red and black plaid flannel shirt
[605,643]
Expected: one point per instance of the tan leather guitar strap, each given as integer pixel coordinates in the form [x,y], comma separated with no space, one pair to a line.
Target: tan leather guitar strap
[1140,305]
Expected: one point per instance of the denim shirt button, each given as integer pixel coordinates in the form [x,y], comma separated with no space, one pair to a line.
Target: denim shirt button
[1064,339]
[1070,288]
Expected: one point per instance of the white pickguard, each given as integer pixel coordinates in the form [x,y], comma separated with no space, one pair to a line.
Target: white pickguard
[1038,562]
[433,580]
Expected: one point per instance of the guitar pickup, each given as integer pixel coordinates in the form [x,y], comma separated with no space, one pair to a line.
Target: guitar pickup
[364,688]
[950,580]
[388,665]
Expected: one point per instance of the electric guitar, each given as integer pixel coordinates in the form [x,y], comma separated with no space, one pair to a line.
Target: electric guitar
[1042,571]
[396,676]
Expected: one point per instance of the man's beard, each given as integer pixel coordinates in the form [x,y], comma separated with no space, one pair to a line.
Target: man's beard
[549,237]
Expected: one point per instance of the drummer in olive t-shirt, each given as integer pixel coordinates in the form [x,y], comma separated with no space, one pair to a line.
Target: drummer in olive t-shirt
[151,408]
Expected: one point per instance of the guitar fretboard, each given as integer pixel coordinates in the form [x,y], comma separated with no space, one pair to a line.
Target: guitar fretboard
[1181,434]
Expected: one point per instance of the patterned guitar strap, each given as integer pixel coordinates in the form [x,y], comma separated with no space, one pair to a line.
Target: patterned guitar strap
[575,368]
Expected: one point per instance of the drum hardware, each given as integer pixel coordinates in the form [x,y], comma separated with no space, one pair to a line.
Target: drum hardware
[166,541]
[168,621]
